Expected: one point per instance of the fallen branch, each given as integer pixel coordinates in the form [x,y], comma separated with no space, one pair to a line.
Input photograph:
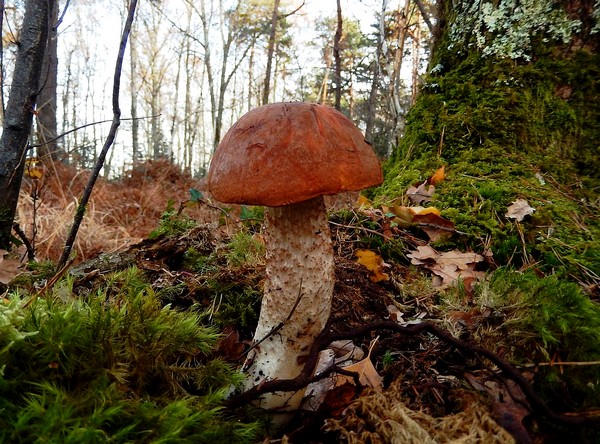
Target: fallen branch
[540,408]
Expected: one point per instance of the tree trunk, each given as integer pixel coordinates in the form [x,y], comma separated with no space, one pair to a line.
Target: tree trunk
[510,106]
[270,52]
[19,111]
[372,103]
[136,154]
[336,57]
[46,109]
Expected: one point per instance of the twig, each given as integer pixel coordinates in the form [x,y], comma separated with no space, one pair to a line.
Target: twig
[116,122]
[23,237]
[438,227]
[367,230]
[89,124]
[560,364]
[50,283]
[280,325]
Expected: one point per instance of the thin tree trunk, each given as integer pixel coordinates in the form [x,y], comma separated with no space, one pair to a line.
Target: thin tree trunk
[46,110]
[270,52]
[325,82]
[135,125]
[2,60]
[336,57]
[250,78]
[19,112]
[207,63]
[372,103]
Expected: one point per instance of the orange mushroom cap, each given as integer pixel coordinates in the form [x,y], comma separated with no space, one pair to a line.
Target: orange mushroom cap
[284,153]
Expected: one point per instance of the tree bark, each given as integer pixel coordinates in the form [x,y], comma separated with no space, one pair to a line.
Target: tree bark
[19,112]
[135,125]
[336,57]
[46,109]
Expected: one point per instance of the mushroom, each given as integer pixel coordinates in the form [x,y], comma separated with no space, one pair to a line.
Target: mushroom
[286,157]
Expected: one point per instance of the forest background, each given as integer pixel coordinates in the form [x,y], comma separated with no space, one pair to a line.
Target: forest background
[500,143]
[193,68]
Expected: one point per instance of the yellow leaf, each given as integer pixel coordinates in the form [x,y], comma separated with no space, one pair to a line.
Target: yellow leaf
[362,201]
[422,210]
[34,173]
[374,263]
[438,176]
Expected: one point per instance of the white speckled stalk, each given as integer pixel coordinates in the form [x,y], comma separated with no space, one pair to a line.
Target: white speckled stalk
[299,264]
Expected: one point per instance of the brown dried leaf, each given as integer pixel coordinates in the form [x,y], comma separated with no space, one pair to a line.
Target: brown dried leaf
[436,227]
[421,193]
[519,209]
[367,375]
[449,266]
[510,405]
[9,267]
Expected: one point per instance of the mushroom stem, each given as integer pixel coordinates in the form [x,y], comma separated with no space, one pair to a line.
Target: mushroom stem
[297,296]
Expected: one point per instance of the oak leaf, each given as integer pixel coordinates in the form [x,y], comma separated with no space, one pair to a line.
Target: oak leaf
[367,375]
[448,266]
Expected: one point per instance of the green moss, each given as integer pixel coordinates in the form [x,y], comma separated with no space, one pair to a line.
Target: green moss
[507,130]
[538,320]
[244,250]
[116,367]
[172,222]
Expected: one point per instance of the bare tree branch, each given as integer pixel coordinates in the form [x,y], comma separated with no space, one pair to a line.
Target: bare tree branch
[116,122]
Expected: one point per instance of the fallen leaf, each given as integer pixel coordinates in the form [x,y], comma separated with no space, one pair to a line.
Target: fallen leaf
[367,375]
[337,399]
[519,209]
[395,314]
[421,193]
[420,211]
[438,176]
[362,201]
[401,215]
[229,346]
[374,263]
[449,266]
[9,267]
[435,226]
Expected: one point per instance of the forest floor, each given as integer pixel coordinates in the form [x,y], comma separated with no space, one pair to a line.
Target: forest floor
[452,347]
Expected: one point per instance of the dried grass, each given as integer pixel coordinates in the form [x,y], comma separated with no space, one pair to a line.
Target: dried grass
[383,418]
[120,212]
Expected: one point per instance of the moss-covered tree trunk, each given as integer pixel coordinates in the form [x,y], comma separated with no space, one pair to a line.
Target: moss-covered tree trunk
[511,106]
